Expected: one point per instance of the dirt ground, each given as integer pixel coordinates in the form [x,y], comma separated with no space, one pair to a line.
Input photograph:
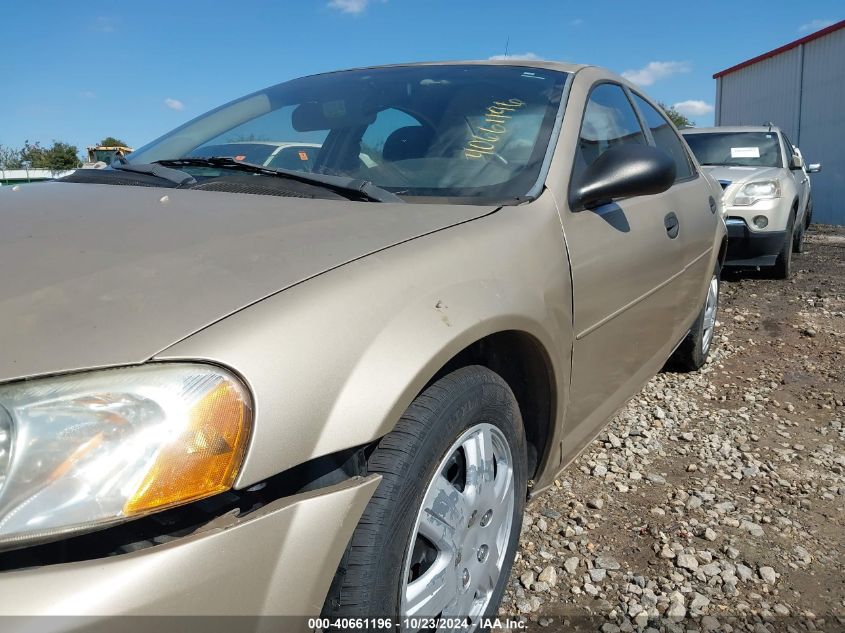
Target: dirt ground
[714,500]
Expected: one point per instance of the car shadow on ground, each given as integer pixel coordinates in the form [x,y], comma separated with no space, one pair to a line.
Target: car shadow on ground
[734,275]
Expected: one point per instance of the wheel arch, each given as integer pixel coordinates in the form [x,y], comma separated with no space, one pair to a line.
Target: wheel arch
[524,363]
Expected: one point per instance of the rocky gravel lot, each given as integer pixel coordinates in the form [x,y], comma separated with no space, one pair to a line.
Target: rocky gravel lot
[714,501]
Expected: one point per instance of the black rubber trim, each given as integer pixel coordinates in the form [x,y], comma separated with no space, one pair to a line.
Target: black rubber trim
[752,248]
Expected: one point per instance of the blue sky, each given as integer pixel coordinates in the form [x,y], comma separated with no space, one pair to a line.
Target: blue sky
[81,71]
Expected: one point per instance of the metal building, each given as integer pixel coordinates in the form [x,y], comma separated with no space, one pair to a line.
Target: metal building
[801,88]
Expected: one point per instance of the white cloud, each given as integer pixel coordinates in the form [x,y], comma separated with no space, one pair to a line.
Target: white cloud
[577,22]
[349,6]
[88,94]
[654,71]
[693,107]
[815,25]
[519,56]
[174,104]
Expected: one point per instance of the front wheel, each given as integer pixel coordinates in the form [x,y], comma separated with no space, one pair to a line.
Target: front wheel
[808,214]
[798,240]
[783,264]
[439,536]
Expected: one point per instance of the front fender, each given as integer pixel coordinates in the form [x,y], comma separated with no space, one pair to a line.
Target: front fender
[334,362]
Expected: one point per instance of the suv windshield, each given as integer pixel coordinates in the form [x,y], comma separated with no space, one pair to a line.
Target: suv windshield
[747,149]
[429,130]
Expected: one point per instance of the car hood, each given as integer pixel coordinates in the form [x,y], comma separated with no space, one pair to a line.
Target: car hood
[737,175]
[99,275]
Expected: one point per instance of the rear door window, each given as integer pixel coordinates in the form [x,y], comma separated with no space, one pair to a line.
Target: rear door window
[665,137]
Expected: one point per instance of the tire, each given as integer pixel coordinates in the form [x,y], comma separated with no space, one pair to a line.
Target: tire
[798,240]
[808,214]
[783,264]
[427,460]
[693,351]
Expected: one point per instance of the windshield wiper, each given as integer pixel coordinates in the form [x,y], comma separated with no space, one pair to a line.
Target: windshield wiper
[339,184]
[176,176]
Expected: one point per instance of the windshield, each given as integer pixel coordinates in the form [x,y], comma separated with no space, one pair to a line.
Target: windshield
[430,130]
[747,149]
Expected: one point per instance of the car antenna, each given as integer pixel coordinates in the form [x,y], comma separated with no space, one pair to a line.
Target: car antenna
[770,124]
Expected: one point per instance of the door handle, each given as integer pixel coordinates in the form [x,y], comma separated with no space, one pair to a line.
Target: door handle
[672,224]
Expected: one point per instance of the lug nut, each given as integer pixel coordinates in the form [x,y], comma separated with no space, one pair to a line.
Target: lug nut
[465,577]
[482,553]
[485,520]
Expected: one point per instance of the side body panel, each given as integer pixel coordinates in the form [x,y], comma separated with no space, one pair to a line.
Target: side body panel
[627,277]
[798,176]
[333,363]
[699,223]
[696,201]
[636,292]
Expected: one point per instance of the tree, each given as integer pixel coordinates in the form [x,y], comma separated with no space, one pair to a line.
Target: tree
[111,141]
[9,158]
[59,157]
[676,117]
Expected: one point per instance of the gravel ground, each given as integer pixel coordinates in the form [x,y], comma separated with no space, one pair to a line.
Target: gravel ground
[714,500]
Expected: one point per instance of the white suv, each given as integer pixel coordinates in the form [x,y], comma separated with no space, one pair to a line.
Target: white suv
[766,192]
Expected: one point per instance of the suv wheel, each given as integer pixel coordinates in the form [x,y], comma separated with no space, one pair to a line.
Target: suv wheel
[439,536]
[692,353]
[783,264]
[798,240]
[798,243]
[808,214]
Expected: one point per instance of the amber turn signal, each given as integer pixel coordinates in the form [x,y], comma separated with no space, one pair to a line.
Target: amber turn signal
[203,459]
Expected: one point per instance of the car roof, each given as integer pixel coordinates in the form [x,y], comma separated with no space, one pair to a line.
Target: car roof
[510,61]
[730,128]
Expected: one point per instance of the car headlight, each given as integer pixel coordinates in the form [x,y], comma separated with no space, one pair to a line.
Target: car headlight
[751,192]
[86,450]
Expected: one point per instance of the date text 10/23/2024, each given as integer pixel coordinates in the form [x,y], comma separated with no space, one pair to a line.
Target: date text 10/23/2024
[412,623]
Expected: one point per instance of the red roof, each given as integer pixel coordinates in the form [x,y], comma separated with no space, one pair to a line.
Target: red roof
[784,48]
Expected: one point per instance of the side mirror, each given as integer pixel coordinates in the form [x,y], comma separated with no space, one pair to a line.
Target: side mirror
[796,162]
[623,171]
[814,168]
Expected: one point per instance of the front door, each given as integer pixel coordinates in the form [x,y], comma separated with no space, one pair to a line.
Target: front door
[626,264]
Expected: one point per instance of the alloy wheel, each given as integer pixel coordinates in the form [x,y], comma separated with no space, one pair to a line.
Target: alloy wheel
[711,307]
[459,542]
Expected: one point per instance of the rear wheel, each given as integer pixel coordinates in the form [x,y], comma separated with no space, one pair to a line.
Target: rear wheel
[692,353]
[439,536]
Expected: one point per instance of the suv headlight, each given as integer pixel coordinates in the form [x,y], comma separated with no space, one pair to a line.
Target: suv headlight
[86,450]
[751,192]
